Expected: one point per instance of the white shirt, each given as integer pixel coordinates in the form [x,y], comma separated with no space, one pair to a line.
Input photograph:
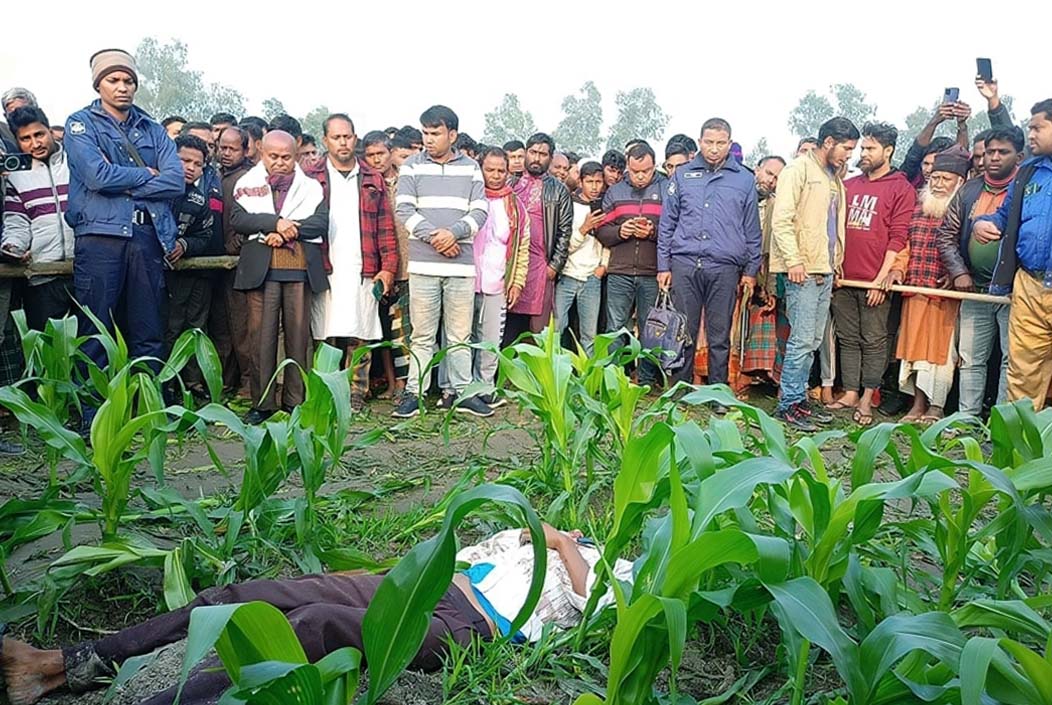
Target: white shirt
[586,252]
[508,583]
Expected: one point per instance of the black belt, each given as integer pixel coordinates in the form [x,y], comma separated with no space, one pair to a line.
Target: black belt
[141,217]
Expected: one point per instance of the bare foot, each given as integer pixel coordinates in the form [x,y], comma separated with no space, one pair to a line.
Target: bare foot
[30,673]
[917,411]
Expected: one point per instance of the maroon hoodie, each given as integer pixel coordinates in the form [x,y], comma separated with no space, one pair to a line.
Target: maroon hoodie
[878,221]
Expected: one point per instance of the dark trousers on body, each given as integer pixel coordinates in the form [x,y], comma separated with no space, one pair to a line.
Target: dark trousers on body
[862,333]
[326,612]
[121,281]
[52,299]
[275,308]
[711,290]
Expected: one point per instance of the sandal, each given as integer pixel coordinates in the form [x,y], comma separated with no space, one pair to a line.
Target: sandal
[929,420]
[839,406]
[911,418]
[861,419]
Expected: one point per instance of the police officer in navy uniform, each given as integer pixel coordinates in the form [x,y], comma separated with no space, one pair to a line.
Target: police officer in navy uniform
[124,173]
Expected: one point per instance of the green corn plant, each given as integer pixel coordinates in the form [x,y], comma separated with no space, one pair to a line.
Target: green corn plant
[259,650]
[541,378]
[50,368]
[320,428]
[683,549]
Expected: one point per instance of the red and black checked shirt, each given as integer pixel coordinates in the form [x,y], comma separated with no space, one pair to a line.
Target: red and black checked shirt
[925,267]
[379,244]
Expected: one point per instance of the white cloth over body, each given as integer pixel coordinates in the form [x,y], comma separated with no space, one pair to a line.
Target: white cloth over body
[348,309]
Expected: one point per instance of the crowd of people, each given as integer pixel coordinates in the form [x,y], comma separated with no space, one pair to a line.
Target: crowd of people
[423,237]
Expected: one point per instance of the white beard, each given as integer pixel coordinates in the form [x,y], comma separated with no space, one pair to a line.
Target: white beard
[933,206]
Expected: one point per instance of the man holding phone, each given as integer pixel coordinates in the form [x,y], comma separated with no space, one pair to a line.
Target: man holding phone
[629,228]
[919,160]
[363,250]
[995,110]
[34,204]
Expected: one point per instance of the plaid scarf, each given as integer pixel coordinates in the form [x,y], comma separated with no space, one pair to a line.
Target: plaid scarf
[925,266]
[515,223]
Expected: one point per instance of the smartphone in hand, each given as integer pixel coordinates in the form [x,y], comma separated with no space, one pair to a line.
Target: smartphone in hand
[951,95]
[985,70]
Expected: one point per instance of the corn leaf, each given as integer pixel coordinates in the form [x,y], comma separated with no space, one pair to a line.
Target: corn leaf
[933,633]
[809,612]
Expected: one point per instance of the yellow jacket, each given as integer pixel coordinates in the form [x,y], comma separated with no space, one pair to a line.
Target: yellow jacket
[799,233]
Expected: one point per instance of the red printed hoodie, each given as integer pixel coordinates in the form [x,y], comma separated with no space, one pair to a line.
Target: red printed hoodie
[878,221]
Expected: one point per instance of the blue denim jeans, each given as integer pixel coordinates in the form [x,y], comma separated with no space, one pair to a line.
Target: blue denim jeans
[979,323]
[807,306]
[623,293]
[449,301]
[587,294]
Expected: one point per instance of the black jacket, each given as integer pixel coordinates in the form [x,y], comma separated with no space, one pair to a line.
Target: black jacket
[558,221]
[194,220]
[254,264]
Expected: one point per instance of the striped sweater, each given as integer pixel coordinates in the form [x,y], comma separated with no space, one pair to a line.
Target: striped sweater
[34,202]
[433,196]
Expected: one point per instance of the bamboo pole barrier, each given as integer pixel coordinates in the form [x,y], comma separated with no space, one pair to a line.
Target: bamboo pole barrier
[936,293]
[40,269]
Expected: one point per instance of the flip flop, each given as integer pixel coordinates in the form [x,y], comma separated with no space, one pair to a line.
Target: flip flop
[861,419]
[839,406]
[929,420]
[910,418]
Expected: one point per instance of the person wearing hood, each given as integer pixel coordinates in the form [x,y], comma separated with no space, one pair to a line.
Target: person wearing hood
[880,203]
[926,334]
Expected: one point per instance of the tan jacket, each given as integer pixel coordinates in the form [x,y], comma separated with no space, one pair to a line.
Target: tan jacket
[801,209]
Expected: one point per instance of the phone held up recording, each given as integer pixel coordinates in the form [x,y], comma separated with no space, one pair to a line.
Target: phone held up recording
[16,162]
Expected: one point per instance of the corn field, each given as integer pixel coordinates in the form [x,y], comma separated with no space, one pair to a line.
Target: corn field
[890,566]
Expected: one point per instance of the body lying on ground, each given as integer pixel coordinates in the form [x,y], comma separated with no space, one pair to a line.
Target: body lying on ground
[326,612]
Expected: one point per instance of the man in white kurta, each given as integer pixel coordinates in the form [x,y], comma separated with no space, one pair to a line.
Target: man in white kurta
[362,252]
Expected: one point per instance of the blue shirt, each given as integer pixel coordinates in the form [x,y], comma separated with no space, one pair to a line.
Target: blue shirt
[1034,242]
[711,216]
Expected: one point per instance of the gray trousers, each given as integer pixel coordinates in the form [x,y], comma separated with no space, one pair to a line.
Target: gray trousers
[491,311]
[862,334]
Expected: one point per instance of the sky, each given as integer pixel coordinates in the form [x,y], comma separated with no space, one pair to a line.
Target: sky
[384,63]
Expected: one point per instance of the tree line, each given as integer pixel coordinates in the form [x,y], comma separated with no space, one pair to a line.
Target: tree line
[170,87]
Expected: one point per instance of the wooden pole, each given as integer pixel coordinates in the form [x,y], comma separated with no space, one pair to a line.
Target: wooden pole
[17,271]
[935,293]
